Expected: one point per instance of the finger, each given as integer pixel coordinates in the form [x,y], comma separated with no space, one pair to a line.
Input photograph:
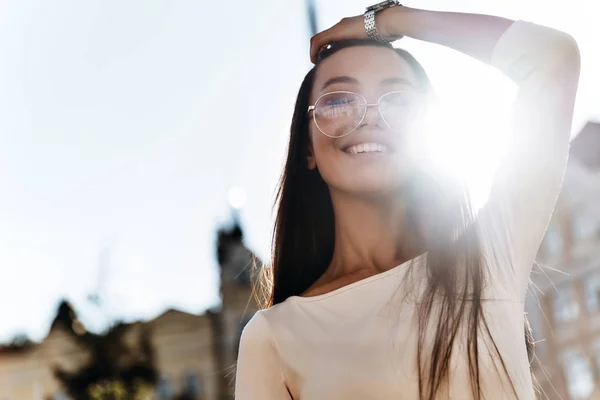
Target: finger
[347,28]
[323,38]
[318,42]
[319,49]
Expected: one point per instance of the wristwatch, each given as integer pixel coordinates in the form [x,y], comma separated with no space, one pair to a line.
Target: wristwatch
[370,20]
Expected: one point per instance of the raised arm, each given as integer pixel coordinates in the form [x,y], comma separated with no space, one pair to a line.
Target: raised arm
[472,34]
[545,64]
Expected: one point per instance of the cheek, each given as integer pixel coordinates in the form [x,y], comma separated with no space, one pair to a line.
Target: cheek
[345,173]
[323,147]
[328,158]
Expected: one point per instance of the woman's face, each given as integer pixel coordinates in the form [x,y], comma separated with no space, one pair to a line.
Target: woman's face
[352,163]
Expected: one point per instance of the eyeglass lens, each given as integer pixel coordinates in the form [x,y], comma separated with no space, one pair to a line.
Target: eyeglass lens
[339,113]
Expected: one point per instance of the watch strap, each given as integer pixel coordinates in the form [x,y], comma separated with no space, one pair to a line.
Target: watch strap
[369,19]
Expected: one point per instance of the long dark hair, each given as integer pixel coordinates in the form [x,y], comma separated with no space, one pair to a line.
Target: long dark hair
[304,235]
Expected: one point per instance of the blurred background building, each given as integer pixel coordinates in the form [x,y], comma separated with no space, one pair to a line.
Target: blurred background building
[175,356]
[564,300]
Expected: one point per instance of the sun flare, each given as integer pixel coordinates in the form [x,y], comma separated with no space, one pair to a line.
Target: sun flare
[466,131]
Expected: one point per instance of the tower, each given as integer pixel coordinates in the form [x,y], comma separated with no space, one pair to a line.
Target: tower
[237,303]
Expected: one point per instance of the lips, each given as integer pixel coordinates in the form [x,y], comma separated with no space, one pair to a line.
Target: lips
[367,142]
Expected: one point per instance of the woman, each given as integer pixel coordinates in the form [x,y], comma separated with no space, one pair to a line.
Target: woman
[384,283]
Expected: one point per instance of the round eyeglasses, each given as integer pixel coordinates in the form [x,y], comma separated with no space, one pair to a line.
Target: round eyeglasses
[337,114]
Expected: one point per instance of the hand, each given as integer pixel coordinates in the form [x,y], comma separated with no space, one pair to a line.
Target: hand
[348,28]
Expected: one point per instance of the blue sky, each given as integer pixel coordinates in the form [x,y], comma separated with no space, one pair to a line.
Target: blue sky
[124,124]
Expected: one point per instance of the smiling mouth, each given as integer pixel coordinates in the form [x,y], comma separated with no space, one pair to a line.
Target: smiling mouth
[366,148]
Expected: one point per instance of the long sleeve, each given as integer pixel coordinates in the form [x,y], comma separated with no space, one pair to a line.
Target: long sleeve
[259,374]
[545,64]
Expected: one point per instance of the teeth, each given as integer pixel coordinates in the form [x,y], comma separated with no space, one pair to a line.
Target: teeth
[367,148]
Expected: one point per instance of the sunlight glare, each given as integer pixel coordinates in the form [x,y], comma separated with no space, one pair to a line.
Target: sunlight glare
[466,132]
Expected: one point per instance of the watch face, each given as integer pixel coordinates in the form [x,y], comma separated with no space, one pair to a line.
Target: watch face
[382,5]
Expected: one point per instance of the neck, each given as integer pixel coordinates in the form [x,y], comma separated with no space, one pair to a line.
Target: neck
[369,233]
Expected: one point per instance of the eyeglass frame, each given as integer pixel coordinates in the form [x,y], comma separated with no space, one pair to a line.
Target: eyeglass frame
[367,105]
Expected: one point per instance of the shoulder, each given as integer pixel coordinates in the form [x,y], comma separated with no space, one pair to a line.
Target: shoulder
[259,329]
[259,372]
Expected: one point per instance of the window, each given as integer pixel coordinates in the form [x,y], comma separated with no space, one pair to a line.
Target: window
[60,396]
[164,390]
[241,262]
[578,373]
[243,321]
[536,322]
[243,277]
[596,352]
[564,304]
[553,241]
[592,292]
[583,226]
[192,386]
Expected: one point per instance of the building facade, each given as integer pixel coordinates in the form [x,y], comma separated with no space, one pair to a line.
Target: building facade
[563,305]
[194,355]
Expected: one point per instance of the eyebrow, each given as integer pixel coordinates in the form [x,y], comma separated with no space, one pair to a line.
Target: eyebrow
[354,81]
[391,81]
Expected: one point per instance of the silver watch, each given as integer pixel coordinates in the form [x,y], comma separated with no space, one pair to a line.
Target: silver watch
[370,20]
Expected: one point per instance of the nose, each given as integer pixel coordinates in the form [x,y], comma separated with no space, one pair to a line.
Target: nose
[373,117]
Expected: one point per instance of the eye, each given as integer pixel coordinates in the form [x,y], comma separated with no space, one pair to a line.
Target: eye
[406,102]
[399,98]
[339,99]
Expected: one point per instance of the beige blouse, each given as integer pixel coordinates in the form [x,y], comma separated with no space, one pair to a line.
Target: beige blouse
[359,342]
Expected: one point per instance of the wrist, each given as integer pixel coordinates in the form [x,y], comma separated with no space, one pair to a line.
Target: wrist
[389,21]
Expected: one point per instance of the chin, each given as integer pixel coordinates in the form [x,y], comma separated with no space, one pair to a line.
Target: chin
[373,186]
[367,179]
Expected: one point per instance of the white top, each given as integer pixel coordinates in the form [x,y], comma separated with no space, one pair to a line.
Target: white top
[359,342]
